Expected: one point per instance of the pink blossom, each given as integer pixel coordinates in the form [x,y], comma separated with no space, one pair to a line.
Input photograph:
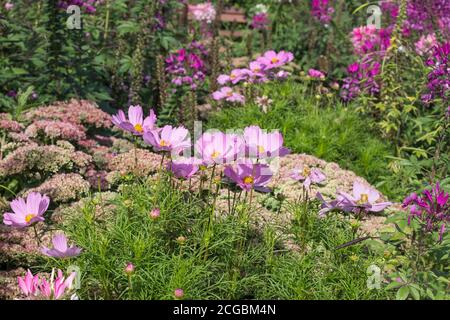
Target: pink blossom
[272,60]
[203,12]
[218,147]
[184,168]
[248,175]
[28,284]
[60,248]
[229,95]
[135,123]
[308,175]
[27,212]
[171,139]
[426,44]
[261,144]
[313,73]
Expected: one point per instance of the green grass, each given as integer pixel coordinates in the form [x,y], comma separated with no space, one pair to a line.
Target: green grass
[239,263]
[333,133]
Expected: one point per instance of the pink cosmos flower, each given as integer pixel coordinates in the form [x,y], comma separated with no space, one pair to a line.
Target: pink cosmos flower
[171,139]
[184,168]
[308,176]
[272,60]
[28,284]
[27,212]
[9,6]
[136,124]
[219,148]
[229,95]
[363,197]
[328,206]
[39,288]
[60,248]
[129,268]
[248,175]
[261,144]
[235,76]
[313,73]
[155,213]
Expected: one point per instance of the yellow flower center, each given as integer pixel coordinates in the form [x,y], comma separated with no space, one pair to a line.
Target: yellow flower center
[164,143]
[306,171]
[29,217]
[202,167]
[249,180]
[261,149]
[230,94]
[256,69]
[215,154]
[364,198]
[275,60]
[233,76]
[138,128]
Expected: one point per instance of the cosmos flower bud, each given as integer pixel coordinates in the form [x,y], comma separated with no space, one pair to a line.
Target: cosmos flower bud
[155,213]
[179,293]
[129,269]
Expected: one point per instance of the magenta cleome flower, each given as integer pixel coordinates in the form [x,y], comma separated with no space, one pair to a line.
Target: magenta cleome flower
[229,95]
[60,248]
[248,175]
[219,148]
[27,212]
[316,74]
[431,209]
[136,124]
[261,144]
[308,176]
[170,139]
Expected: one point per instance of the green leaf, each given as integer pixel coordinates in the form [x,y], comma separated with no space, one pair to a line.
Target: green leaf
[402,293]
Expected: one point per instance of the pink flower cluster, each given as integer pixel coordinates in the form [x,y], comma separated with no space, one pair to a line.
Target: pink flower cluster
[187,66]
[203,12]
[322,10]
[35,287]
[79,112]
[55,129]
[87,5]
[243,154]
[263,69]
[426,44]
[368,40]
[260,21]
